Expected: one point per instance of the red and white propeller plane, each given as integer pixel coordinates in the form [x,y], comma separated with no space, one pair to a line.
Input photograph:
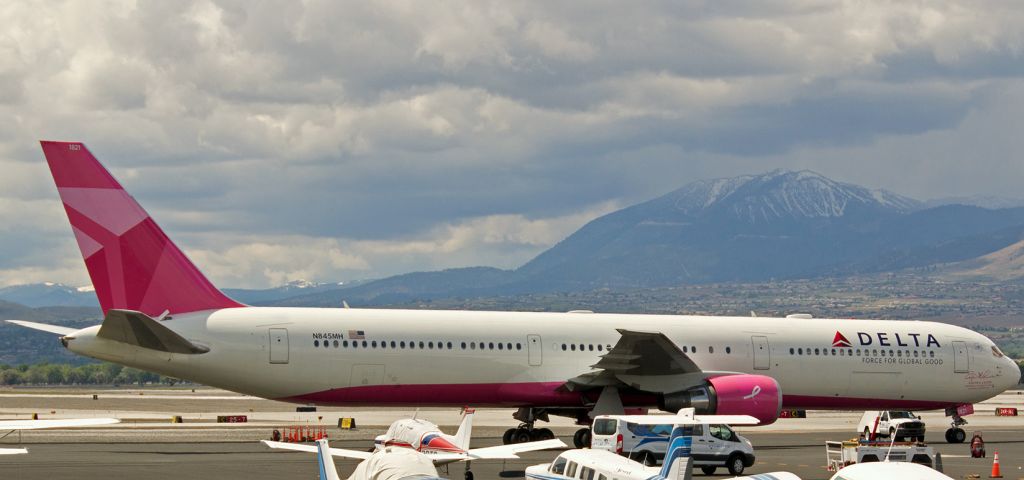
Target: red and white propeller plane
[162,314]
[427,438]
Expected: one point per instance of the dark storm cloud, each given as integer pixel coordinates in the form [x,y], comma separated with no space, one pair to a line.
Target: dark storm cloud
[405,135]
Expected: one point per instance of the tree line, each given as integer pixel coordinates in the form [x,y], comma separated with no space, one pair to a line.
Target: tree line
[89,374]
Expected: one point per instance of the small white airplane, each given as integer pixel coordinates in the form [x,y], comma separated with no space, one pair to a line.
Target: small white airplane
[588,464]
[440,448]
[391,463]
[426,437]
[14,425]
[876,470]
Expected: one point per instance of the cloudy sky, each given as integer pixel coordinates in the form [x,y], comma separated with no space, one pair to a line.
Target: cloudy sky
[332,140]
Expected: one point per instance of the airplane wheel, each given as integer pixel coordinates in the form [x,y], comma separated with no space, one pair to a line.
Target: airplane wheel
[708,470]
[521,435]
[506,438]
[543,434]
[469,475]
[581,439]
[958,435]
[949,435]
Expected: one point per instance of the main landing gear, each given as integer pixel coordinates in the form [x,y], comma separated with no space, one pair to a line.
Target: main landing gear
[581,439]
[469,474]
[526,432]
[955,434]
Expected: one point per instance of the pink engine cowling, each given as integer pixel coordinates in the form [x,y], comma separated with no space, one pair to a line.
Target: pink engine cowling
[756,395]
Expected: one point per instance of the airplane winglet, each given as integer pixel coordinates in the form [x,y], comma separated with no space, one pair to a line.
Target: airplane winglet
[43,327]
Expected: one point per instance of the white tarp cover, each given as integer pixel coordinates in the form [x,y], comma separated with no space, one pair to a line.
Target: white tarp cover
[395,463]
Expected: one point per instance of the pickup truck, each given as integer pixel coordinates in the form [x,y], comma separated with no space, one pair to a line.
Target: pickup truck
[900,424]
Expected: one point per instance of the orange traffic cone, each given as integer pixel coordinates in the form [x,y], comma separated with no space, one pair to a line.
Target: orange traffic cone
[995,466]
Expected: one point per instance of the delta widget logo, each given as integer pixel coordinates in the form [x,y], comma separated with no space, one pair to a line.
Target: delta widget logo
[841,341]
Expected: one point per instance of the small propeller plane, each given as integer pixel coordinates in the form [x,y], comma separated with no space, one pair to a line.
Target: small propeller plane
[427,438]
[13,425]
[392,463]
[592,464]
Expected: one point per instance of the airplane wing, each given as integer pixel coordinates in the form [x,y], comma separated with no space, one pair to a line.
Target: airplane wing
[325,461]
[40,424]
[510,451]
[12,451]
[43,327]
[335,452]
[646,361]
[687,417]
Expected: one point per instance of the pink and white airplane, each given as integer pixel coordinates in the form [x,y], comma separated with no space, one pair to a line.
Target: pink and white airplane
[163,315]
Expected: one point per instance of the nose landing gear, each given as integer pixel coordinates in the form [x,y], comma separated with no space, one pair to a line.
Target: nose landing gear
[955,434]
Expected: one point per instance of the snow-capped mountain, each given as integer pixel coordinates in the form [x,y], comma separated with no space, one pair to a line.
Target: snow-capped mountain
[48,294]
[782,224]
[784,194]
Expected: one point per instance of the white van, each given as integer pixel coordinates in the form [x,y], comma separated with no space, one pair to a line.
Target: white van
[713,445]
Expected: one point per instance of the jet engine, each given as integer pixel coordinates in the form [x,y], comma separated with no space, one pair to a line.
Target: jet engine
[756,395]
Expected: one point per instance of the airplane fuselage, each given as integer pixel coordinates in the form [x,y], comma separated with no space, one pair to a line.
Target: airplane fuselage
[516,359]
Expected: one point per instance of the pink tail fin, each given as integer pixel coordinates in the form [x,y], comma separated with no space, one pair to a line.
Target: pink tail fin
[132,263]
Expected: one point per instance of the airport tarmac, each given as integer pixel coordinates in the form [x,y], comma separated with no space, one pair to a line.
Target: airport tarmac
[148,446]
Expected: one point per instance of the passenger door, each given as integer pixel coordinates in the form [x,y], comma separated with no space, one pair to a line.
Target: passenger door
[762,353]
[534,350]
[278,338]
[961,360]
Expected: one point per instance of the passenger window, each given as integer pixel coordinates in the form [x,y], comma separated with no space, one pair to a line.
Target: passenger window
[558,466]
[564,347]
[570,470]
[711,349]
[586,473]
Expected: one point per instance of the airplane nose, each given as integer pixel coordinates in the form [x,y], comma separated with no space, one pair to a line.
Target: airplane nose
[1012,373]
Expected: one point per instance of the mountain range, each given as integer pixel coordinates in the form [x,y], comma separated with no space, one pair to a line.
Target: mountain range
[776,226]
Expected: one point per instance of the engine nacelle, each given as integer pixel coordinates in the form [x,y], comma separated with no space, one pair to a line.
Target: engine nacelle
[756,395]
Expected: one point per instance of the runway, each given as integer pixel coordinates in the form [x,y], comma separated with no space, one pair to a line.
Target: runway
[800,453]
[148,446]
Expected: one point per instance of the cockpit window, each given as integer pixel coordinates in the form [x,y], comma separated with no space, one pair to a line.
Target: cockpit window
[996,352]
[558,466]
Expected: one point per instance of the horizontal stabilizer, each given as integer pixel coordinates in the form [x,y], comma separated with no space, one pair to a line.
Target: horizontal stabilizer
[137,328]
[6,425]
[335,452]
[43,327]
[13,451]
